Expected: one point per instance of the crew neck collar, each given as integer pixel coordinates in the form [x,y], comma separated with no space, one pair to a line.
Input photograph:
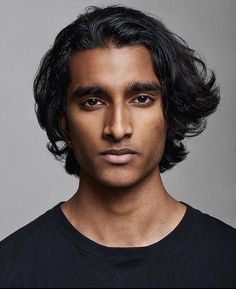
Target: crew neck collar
[90,247]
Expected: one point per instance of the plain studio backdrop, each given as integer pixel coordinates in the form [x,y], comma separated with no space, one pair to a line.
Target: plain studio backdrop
[32,181]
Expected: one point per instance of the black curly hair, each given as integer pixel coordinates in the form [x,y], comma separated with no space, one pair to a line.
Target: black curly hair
[188,88]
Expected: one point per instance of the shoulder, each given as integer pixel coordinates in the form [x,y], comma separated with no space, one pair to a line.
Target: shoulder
[211,247]
[21,247]
[213,228]
[212,237]
[25,235]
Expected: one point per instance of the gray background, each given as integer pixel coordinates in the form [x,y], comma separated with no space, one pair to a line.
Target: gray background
[32,181]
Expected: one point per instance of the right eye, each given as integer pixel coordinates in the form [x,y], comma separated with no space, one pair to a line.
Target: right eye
[91,102]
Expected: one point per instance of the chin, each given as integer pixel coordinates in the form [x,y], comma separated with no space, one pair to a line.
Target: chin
[118,181]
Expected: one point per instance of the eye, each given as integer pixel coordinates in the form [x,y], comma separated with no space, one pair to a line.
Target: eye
[142,99]
[91,102]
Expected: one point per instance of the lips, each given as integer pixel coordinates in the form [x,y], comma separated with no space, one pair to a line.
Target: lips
[118,152]
[121,156]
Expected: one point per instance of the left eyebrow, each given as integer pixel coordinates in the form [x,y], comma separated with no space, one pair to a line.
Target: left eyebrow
[143,86]
[131,88]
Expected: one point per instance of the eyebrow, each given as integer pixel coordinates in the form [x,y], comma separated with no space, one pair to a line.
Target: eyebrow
[131,88]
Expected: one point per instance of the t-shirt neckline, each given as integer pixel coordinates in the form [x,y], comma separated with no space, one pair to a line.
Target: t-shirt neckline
[90,247]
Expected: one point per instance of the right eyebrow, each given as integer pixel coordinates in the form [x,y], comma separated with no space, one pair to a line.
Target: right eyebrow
[89,90]
[134,87]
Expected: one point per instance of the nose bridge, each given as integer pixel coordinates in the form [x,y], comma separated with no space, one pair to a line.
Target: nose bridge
[119,113]
[118,119]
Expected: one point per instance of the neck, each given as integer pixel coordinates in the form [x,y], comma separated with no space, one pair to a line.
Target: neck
[124,217]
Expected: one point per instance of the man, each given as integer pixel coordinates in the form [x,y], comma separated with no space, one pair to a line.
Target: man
[117,94]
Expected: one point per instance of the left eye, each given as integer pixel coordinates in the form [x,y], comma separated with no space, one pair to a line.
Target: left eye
[143,98]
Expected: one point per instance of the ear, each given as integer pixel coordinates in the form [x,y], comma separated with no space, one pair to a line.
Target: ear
[64,129]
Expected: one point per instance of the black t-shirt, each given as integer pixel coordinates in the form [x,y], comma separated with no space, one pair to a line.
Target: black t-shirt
[50,253]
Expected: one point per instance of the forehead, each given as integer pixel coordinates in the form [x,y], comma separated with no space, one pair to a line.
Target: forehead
[112,66]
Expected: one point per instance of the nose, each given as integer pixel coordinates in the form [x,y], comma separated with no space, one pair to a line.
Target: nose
[117,123]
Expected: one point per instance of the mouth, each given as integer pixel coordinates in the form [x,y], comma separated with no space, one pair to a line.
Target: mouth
[118,159]
[121,156]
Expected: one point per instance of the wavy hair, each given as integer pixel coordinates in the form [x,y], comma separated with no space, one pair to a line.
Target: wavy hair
[188,87]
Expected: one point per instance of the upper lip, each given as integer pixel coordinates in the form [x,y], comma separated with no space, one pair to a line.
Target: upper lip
[118,152]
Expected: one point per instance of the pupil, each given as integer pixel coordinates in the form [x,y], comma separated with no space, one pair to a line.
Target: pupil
[142,98]
[92,101]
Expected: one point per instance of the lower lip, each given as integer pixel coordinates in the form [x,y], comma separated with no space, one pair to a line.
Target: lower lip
[119,159]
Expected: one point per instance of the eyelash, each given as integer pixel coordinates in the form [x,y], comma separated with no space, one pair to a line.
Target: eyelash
[143,104]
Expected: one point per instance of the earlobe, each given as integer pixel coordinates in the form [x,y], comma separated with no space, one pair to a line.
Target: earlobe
[62,121]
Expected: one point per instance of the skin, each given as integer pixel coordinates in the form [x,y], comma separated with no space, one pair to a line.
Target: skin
[118,205]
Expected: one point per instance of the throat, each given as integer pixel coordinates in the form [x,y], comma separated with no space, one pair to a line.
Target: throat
[130,226]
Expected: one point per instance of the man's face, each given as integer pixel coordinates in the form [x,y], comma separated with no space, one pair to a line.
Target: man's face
[109,107]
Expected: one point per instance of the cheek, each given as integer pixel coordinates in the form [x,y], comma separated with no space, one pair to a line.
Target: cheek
[84,135]
[155,137]
[154,125]
[161,129]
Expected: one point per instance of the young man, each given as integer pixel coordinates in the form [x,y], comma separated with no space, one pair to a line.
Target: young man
[117,93]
